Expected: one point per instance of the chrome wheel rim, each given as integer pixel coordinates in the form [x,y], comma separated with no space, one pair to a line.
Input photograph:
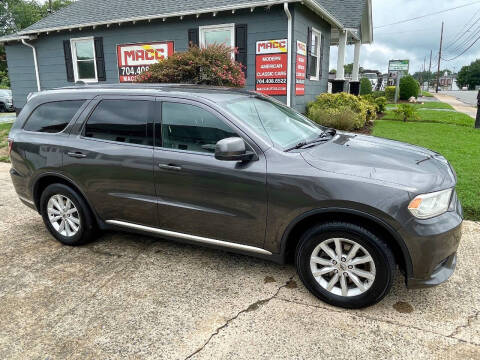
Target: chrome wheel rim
[63,215]
[342,267]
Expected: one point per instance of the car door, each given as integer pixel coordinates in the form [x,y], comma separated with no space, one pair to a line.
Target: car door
[111,159]
[198,194]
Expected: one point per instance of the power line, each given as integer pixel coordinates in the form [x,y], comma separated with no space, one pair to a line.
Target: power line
[464,51]
[465,41]
[460,34]
[426,15]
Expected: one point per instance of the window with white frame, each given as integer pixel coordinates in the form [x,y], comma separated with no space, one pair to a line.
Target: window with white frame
[83,56]
[218,34]
[315,55]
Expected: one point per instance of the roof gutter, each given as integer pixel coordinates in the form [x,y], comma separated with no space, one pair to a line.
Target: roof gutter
[312,4]
[37,75]
[289,52]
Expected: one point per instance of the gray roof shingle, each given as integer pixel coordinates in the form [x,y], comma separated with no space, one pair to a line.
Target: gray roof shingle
[86,12]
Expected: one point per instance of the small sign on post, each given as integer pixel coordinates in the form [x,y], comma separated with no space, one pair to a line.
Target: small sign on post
[397,69]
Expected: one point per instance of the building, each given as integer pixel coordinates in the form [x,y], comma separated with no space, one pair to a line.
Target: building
[285,45]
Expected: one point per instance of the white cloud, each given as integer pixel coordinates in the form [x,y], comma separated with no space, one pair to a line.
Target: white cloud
[414,40]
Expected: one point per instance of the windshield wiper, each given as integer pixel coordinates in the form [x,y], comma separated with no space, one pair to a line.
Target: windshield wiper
[302,144]
[322,137]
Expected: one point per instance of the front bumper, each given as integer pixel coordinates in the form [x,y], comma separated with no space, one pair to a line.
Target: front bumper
[442,273]
[433,246]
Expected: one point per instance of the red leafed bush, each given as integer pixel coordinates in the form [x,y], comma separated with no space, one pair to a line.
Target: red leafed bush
[212,65]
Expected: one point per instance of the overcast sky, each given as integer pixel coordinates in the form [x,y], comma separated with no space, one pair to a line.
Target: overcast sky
[414,40]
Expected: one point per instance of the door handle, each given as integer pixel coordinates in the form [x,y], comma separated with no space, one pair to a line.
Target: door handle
[170,167]
[77,155]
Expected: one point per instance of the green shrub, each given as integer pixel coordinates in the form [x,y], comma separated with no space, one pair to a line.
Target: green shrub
[381,103]
[371,106]
[390,93]
[408,87]
[365,86]
[406,112]
[336,105]
[377,94]
[342,118]
[212,65]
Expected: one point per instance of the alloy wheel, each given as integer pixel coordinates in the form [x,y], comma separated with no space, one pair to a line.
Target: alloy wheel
[342,267]
[63,215]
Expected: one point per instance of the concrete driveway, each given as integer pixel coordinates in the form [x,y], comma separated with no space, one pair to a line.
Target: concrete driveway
[139,297]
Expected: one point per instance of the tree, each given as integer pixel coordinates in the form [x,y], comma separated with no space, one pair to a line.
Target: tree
[469,75]
[408,87]
[16,15]
[365,86]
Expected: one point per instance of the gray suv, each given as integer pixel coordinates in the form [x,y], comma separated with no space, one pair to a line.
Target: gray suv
[242,172]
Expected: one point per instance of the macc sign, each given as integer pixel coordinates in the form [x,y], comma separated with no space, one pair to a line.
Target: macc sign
[133,59]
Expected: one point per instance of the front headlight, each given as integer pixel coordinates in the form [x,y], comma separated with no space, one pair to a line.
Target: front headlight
[429,205]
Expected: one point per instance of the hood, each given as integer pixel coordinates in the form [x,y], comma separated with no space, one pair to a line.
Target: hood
[388,161]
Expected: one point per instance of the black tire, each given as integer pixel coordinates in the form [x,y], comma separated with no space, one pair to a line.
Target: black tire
[379,251]
[2,108]
[87,229]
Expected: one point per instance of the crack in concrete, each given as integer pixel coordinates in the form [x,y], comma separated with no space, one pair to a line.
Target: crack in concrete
[252,307]
[470,320]
[372,318]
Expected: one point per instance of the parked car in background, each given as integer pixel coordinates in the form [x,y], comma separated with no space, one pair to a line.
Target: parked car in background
[239,171]
[6,101]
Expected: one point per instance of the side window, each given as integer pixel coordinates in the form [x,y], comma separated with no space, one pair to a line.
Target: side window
[123,121]
[52,117]
[189,127]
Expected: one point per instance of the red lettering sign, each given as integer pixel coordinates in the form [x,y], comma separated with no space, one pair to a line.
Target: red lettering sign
[133,59]
[300,69]
[271,67]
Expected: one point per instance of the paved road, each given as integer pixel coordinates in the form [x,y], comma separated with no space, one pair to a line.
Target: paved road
[129,296]
[467,97]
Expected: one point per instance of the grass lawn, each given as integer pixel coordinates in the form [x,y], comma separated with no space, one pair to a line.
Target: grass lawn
[459,144]
[4,130]
[428,105]
[426,94]
[437,116]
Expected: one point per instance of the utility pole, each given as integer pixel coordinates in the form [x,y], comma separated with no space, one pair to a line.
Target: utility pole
[439,59]
[429,70]
[423,72]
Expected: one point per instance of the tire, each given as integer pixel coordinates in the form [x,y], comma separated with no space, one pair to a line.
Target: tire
[373,258]
[2,108]
[82,216]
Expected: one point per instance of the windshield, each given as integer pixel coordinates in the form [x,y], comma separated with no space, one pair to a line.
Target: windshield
[277,122]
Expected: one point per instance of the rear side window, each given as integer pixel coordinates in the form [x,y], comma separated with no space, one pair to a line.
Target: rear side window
[52,117]
[122,121]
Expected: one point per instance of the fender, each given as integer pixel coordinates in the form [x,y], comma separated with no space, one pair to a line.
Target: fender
[34,186]
[390,229]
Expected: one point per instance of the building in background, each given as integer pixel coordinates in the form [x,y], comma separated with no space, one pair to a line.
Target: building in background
[285,45]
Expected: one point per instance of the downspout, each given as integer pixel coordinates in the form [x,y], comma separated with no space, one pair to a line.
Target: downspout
[289,50]
[37,75]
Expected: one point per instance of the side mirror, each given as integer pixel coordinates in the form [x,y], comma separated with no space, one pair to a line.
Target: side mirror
[232,149]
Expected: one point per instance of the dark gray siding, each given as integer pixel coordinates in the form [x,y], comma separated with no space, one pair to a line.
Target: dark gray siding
[262,25]
[302,19]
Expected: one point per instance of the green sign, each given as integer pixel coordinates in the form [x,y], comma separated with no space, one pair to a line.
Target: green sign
[398,65]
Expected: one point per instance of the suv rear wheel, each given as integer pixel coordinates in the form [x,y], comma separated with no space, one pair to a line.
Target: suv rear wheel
[66,215]
[345,265]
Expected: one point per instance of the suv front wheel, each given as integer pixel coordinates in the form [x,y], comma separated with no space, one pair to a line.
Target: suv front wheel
[345,265]
[66,215]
